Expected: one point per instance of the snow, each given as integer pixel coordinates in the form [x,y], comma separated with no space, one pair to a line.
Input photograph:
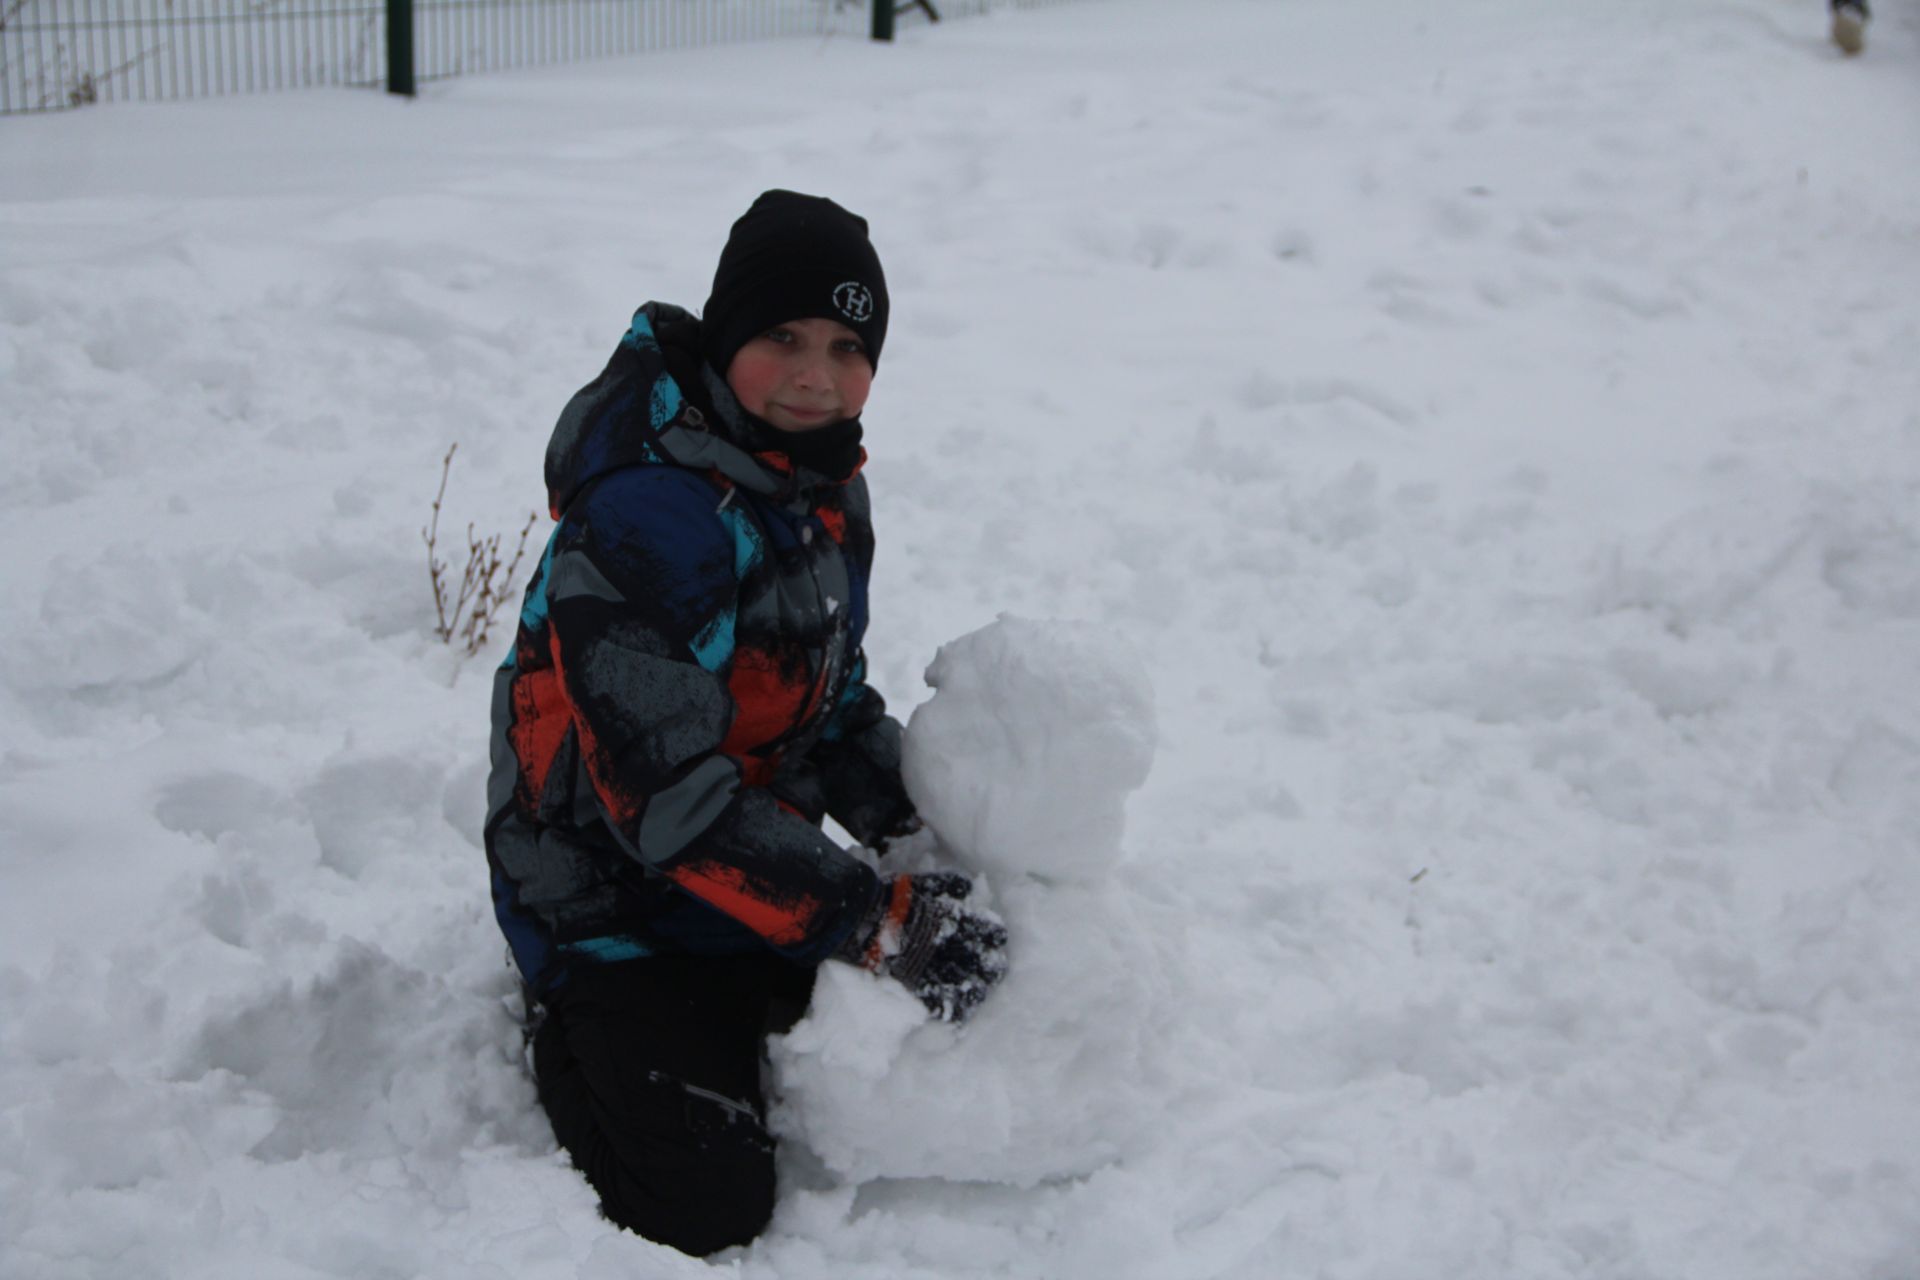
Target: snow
[1021,763]
[1495,433]
[1022,759]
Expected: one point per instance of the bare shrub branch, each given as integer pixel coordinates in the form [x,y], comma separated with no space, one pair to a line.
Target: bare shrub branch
[469,609]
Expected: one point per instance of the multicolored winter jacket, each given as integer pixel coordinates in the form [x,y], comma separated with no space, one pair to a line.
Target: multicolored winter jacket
[686,697]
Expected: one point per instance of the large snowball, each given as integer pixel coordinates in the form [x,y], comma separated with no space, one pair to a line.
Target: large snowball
[1063,1068]
[1020,762]
[1023,758]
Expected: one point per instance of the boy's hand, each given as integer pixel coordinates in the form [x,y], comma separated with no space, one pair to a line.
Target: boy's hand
[922,934]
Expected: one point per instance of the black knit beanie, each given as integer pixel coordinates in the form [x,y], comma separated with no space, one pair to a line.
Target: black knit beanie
[794,257]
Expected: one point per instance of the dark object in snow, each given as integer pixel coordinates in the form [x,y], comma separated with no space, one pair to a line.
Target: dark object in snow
[1850,25]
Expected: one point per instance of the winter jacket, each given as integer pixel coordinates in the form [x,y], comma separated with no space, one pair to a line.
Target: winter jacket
[686,697]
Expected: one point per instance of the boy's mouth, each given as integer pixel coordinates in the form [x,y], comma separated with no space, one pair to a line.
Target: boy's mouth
[809,416]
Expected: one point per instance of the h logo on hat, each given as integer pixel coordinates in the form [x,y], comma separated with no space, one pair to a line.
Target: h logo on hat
[854,300]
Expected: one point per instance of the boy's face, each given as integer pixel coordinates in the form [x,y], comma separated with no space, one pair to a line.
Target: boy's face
[802,375]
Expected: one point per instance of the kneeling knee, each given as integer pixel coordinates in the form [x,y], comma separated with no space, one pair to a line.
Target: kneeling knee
[711,1200]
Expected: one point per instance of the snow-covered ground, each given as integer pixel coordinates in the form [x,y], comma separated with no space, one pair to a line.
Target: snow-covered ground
[1495,426]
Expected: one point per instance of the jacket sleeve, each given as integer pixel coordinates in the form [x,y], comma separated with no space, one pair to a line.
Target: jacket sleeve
[641,595]
[858,758]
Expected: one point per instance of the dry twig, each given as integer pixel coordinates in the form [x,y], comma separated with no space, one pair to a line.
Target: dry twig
[470,609]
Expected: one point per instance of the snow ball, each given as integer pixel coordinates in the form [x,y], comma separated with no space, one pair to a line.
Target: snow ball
[1023,758]
[858,1023]
[1058,1072]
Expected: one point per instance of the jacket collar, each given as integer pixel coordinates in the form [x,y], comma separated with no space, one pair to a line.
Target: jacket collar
[659,403]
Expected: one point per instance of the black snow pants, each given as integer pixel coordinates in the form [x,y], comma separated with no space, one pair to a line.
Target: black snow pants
[650,1073]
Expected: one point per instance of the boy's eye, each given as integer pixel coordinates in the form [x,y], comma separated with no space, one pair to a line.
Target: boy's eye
[778,334]
[852,346]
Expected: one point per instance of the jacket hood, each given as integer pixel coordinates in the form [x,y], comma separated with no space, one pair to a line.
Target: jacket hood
[658,403]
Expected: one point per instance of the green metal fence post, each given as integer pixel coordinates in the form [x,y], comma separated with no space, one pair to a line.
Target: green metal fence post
[883,19]
[400,47]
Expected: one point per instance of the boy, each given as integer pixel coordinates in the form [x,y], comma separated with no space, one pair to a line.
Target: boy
[684,702]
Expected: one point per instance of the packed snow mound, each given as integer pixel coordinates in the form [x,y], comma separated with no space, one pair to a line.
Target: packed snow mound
[1022,760]
[1021,763]
[1050,1078]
